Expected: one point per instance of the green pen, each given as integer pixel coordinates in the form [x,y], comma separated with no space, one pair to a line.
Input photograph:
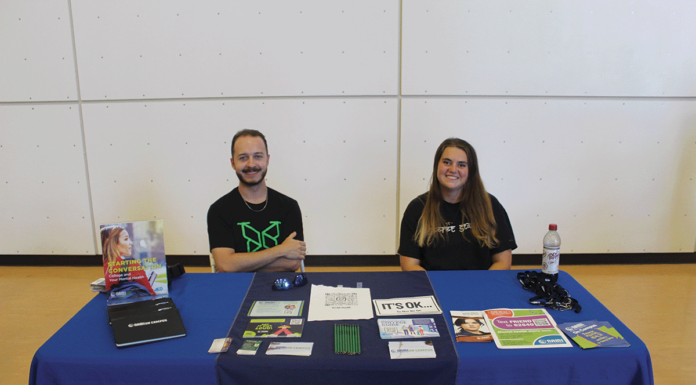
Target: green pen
[350,337]
[343,339]
[358,339]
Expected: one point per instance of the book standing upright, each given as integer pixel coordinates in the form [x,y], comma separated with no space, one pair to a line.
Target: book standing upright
[135,274]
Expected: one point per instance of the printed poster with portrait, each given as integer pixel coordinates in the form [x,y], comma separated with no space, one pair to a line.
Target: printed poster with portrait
[135,266]
[470,326]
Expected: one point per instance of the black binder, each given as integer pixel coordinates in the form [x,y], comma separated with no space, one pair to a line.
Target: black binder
[145,321]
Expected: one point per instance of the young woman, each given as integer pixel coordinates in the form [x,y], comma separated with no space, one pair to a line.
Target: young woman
[456,225]
[124,275]
[469,327]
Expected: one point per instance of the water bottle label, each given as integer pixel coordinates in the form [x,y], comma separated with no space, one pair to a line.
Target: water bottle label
[550,260]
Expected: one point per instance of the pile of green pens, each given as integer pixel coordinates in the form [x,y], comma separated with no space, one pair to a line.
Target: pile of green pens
[347,339]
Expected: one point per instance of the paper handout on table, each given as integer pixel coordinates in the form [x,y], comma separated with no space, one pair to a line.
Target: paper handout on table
[411,349]
[276,309]
[249,347]
[220,345]
[274,328]
[290,348]
[470,326]
[593,334]
[406,306]
[327,303]
[398,328]
[524,328]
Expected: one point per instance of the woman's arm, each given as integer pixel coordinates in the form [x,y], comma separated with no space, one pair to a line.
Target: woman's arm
[410,264]
[502,260]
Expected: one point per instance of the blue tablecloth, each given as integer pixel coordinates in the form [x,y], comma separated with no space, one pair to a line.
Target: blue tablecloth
[484,363]
[83,350]
[372,366]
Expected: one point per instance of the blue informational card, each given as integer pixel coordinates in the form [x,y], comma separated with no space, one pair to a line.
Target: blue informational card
[593,334]
[398,328]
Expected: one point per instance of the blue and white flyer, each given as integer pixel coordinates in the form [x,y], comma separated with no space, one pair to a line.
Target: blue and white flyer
[398,328]
[593,334]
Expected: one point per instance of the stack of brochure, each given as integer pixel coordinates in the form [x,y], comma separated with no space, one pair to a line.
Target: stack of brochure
[98,285]
[594,334]
[398,328]
[414,327]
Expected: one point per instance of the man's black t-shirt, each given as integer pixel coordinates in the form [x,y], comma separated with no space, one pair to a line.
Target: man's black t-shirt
[455,252]
[234,225]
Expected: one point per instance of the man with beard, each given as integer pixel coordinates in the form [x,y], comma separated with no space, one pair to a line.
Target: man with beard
[253,227]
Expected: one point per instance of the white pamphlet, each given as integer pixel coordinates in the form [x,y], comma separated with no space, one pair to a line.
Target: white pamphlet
[290,348]
[276,309]
[327,303]
[220,345]
[411,349]
[406,306]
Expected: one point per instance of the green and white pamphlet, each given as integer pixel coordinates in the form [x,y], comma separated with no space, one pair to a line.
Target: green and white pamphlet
[276,309]
[525,329]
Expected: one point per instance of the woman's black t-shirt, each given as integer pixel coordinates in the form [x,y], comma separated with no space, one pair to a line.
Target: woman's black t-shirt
[455,252]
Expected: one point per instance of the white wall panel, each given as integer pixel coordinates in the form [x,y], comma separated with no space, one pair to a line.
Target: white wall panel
[170,160]
[44,202]
[616,176]
[36,51]
[605,146]
[173,49]
[601,48]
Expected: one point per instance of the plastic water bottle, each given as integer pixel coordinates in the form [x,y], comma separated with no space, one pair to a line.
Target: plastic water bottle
[551,256]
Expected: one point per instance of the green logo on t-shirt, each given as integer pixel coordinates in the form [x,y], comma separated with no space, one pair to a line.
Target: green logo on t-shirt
[260,240]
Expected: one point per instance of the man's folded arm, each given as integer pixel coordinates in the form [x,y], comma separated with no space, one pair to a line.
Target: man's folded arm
[284,257]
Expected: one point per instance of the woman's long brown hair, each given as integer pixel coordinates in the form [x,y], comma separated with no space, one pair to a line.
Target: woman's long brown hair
[474,203]
[110,237]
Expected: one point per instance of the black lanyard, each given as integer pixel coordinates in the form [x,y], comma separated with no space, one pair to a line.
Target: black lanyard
[551,295]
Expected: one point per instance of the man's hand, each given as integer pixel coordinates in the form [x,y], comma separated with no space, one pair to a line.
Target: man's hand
[293,248]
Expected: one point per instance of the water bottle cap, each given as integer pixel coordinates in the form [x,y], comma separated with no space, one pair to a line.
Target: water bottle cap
[553,227]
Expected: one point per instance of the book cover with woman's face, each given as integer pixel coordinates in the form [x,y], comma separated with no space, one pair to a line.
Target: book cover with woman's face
[135,265]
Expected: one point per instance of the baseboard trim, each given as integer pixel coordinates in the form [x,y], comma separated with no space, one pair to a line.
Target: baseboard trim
[610,259]
[89,260]
[365,260]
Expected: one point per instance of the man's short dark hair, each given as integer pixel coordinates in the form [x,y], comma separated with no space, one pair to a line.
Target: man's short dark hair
[249,132]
